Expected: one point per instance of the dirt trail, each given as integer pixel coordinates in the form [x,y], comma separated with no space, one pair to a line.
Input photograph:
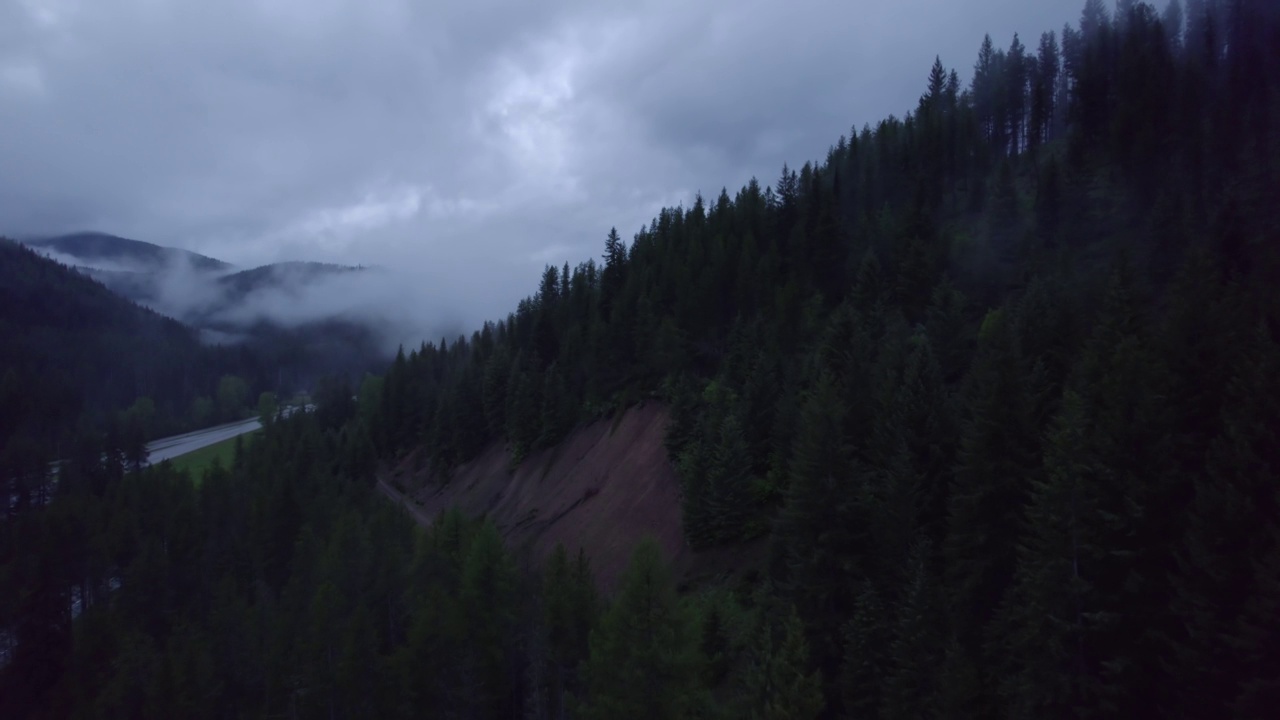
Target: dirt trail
[605,487]
[414,510]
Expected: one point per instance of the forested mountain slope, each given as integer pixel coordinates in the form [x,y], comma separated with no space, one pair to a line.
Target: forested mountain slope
[72,348]
[997,382]
[997,378]
[302,320]
[95,249]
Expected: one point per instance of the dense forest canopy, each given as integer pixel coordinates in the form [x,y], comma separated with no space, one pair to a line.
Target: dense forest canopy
[998,380]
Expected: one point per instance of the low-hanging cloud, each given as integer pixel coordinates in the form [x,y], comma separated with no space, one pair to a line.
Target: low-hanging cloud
[395,305]
[461,145]
[400,307]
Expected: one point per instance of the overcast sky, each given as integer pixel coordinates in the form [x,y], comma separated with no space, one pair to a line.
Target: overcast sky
[473,140]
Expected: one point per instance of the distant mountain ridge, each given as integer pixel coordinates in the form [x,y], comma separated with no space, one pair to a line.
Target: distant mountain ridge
[199,290]
[279,275]
[71,346]
[294,317]
[94,248]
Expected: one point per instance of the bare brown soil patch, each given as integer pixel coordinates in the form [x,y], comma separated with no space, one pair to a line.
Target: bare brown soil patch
[603,489]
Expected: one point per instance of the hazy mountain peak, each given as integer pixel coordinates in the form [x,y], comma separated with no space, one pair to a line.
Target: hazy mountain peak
[103,251]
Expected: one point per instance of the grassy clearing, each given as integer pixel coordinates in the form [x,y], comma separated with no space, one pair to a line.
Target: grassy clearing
[197,462]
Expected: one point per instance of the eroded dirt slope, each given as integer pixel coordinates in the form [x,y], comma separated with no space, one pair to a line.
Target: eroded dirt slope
[602,489]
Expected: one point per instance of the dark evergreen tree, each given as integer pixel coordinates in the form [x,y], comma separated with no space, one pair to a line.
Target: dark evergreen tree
[995,468]
[1052,611]
[643,661]
[866,662]
[916,651]
[780,684]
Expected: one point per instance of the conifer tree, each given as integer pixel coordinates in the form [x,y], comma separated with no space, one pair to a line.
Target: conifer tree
[917,650]
[570,611]
[865,665]
[694,466]
[523,411]
[730,485]
[927,428]
[780,684]
[1053,609]
[643,663]
[487,602]
[996,463]
[1215,579]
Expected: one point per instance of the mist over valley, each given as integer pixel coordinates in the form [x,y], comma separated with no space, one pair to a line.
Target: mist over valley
[362,312]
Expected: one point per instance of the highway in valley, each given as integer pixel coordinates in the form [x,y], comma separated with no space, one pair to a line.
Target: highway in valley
[171,447]
[161,450]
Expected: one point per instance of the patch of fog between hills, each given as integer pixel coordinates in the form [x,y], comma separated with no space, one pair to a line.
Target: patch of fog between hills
[401,307]
[177,288]
[397,306]
[111,266]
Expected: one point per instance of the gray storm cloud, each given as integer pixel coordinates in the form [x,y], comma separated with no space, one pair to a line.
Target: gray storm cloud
[461,144]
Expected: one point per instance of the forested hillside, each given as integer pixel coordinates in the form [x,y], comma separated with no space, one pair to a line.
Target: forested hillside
[998,381]
[126,255]
[998,378]
[264,311]
[75,357]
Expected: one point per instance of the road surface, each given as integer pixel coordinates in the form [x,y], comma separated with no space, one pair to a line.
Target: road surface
[171,447]
[167,449]
[419,515]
